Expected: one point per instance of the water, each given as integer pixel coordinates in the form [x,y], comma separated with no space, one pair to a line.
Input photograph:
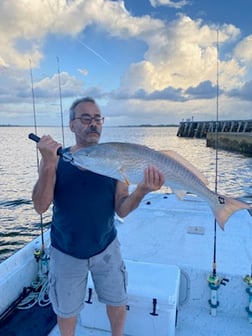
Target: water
[18,173]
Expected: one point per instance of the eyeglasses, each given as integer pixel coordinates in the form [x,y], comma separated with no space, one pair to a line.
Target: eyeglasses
[86,120]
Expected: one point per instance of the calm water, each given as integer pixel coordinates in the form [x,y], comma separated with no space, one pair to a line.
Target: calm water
[18,173]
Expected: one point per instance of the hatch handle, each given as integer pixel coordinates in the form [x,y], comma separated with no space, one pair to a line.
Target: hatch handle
[90,292]
[154,306]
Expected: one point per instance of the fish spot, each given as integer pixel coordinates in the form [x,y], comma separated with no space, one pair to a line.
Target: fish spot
[221,200]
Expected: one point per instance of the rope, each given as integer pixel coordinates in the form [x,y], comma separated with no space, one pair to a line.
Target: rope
[38,294]
[39,287]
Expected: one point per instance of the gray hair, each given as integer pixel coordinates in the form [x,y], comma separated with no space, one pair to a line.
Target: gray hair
[76,102]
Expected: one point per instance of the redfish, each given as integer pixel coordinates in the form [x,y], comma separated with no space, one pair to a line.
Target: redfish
[126,162]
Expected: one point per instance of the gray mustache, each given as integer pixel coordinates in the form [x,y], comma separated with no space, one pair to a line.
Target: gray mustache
[93,130]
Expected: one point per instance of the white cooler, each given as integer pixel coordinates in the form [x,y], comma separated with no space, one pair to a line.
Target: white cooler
[153,293]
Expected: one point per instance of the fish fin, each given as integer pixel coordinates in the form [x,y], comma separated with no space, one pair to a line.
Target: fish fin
[174,155]
[124,176]
[225,207]
[179,193]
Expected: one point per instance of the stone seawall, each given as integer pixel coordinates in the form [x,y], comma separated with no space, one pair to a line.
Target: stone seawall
[236,142]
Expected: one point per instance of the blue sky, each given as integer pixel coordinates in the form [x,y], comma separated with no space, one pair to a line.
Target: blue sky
[144,61]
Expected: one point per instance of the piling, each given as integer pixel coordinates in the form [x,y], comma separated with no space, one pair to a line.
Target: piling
[199,129]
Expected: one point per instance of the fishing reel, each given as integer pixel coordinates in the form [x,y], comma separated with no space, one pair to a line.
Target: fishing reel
[248,280]
[42,258]
[214,281]
[37,254]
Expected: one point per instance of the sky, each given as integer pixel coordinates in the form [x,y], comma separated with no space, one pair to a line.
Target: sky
[143,61]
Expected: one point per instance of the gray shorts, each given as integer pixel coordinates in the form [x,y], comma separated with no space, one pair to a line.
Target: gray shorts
[68,279]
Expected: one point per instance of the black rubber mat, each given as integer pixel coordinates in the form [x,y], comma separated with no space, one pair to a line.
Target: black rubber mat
[36,321]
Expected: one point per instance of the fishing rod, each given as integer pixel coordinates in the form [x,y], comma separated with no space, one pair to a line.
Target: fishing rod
[214,281]
[38,291]
[61,109]
[216,151]
[37,153]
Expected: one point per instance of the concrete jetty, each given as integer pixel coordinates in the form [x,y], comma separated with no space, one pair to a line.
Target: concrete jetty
[199,129]
[232,135]
[235,142]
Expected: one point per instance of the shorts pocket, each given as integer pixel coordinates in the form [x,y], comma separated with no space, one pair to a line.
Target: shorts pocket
[125,276]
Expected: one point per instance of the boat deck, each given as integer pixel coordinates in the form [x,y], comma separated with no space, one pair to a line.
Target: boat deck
[165,230]
[191,322]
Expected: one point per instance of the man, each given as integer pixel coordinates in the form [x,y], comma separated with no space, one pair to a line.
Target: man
[83,234]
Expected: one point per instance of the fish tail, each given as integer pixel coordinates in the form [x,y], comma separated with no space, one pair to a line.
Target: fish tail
[225,206]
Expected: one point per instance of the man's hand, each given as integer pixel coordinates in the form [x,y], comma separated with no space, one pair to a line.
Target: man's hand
[153,180]
[48,148]
[125,203]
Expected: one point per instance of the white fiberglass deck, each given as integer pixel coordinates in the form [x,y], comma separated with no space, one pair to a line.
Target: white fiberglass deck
[165,230]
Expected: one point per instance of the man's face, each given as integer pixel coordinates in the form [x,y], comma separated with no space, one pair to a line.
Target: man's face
[87,125]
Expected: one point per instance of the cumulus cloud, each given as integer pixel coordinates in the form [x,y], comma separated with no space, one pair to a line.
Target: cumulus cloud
[182,54]
[178,65]
[244,92]
[169,3]
[184,48]
[243,50]
[24,21]
[14,84]
[205,90]
[84,72]
[167,94]
[32,21]
[48,87]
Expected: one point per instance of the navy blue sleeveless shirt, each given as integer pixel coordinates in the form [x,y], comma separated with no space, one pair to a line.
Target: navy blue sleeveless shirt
[83,211]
